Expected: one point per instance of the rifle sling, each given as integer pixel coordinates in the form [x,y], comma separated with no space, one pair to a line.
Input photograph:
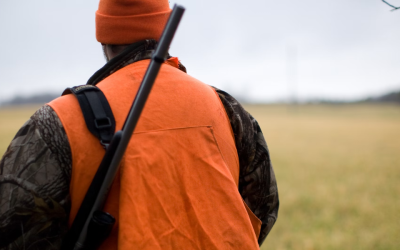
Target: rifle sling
[96,110]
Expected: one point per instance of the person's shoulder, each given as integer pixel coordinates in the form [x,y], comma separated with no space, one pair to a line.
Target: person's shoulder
[236,112]
[63,100]
[51,130]
[45,115]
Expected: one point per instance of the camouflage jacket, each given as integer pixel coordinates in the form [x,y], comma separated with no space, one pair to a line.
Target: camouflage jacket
[35,173]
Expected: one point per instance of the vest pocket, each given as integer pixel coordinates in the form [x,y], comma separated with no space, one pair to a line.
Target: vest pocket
[255,221]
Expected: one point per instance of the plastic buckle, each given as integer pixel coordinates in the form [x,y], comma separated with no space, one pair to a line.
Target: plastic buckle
[105,145]
[102,123]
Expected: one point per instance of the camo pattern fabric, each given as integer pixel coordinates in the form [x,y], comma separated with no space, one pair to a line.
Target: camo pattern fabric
[257,183]
[34,185]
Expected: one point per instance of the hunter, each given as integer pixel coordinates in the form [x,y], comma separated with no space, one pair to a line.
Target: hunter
[196,175]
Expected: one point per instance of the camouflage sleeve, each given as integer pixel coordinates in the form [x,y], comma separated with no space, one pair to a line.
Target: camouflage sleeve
[257,183]
[34,185]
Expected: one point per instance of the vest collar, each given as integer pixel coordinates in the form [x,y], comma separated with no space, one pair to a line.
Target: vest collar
[135,52]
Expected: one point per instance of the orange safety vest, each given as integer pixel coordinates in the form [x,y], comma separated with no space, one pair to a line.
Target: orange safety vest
[177,187]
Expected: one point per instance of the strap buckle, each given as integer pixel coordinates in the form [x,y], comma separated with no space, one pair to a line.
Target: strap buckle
[102,123]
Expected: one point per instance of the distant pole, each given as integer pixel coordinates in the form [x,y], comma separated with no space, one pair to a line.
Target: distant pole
[291,73]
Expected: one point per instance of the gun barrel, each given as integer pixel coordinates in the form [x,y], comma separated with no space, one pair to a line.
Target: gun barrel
[141,97]
[110,164]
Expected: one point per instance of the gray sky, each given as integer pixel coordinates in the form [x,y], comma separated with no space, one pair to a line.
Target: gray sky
[338,49]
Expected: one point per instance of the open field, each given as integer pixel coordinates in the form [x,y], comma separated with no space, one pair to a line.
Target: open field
[338,173]
[11,119]
[337,167]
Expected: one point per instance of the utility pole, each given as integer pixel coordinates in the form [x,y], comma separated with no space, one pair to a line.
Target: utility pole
[291,73]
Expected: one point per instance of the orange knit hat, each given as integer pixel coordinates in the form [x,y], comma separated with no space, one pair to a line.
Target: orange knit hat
[129,21]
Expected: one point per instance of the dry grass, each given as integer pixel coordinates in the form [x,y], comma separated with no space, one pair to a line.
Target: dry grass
[11,119]
[338,172]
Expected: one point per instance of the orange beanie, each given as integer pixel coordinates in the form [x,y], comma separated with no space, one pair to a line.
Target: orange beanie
[129,21]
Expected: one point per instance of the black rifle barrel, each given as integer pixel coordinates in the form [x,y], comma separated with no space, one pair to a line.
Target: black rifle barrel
[141,98]
[129,126]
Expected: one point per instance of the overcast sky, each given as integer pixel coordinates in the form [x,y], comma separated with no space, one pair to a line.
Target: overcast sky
[262,49]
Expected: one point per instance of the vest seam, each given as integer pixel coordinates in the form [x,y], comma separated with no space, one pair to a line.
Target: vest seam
[219,150]
[226,115]
[166,129]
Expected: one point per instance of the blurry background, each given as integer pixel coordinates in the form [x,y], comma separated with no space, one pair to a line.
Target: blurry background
[259,50]
[321,77]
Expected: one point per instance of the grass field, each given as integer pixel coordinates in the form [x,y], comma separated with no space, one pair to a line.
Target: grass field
[338,173]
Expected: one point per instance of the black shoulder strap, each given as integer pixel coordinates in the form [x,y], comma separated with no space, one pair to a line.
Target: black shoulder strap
[96,110]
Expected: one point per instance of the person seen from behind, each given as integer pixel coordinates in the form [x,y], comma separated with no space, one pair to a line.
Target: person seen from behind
[197,173]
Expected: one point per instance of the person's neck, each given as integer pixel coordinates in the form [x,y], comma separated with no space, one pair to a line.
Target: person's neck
[111,51]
